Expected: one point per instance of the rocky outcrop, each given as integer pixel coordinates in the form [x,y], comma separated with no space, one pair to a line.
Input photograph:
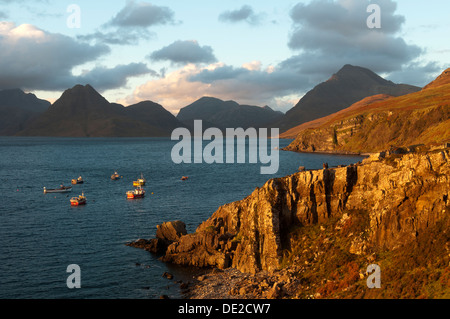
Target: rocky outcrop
[166,234]
[400,195]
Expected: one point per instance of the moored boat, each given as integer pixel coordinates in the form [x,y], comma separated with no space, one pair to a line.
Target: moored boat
[62,189]
[77,201]
[115,176]
[136,193]
[140,181]
[78,180]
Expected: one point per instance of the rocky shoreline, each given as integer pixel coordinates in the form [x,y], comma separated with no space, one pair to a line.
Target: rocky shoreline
[313,234]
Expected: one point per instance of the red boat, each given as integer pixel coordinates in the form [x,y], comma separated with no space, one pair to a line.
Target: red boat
[136,193]
[77,201]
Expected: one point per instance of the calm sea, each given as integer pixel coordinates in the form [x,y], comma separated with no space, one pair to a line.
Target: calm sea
[41,234]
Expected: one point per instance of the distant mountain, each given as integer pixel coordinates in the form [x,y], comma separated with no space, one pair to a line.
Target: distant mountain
[17,109]
[82,112]
[227,114]
[380,122]
[349,85]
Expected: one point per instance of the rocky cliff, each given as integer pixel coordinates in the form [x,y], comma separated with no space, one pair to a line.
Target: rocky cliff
[399,197]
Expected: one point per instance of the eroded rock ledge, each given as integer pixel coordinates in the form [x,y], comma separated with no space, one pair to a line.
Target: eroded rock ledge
[401,195]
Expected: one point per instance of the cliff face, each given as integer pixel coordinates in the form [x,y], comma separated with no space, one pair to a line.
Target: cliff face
[400,196]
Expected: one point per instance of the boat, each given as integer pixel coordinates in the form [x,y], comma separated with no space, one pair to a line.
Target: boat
[140,182]
[78,180]
[62,189]
[115,176]
[139,192]
[77,201]
[184,178]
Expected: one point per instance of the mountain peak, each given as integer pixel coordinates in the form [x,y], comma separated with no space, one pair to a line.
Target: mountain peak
[349,85]
[358,73]
[442,79]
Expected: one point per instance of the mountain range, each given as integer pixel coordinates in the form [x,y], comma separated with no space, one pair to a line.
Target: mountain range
[222,114]
[82,112]
[17,109]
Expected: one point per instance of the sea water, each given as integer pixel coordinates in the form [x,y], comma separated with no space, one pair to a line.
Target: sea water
[41,234]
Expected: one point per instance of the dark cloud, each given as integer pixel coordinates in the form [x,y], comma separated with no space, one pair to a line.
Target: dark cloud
[142,14]
[105,78]
[330,34]
[183,52]
[245,14]
[38,60]
[131,24]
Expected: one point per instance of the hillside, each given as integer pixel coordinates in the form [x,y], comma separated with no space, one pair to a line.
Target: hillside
[349,85]
[82,112]
[17,109]
[377,123]
[227,114]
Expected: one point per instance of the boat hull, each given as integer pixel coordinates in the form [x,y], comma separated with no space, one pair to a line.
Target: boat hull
[66,190]
[77,203]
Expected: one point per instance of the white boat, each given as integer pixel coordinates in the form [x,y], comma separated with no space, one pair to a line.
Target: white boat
[62,189]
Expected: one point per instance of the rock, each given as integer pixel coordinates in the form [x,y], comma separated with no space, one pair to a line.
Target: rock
[167,275]
[171,231]
[184,286]
[275,292]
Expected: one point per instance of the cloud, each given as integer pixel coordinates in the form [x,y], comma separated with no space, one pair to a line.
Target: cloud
[183,52]
[244,14]
[103,78]
[325,35]
[330,34]
[34,59]
[131,24]
[118,37]
[3,15]
[142,14]
[248,84]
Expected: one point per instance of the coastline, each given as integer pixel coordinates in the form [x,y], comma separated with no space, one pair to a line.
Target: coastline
[244,277]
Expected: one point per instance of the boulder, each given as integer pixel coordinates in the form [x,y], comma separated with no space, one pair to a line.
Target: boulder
[171,231]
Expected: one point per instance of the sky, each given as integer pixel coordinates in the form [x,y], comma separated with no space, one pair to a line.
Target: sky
[254,52]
